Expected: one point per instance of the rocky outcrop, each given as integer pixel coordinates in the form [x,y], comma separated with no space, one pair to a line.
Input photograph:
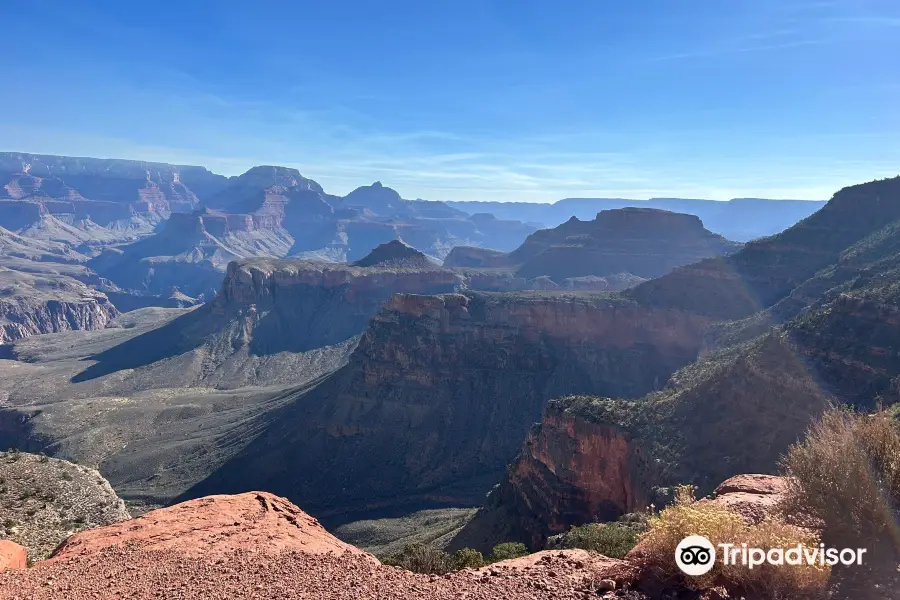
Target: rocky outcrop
[15,215]
[740,219]
[377,198]
[256,545]
[440,392]
[213,527]
[267,312]
[32,304]
[45,500]
[570,472]
[261,281]
[753,497]
[593,459]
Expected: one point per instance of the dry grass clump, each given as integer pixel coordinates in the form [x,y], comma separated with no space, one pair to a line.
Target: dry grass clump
[656,550]
[846,473]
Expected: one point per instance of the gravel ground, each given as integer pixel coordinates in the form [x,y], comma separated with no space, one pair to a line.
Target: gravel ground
[123,572]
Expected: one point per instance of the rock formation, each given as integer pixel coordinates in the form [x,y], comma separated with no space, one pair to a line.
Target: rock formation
[740,219]
[34,304]
[833,277]
[269,310]
[74,185]
[213,527]
[440,391]
[570,471]
[258,545]
[616,250]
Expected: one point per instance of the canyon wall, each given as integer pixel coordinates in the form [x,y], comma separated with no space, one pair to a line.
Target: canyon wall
[440,391]
[570,471]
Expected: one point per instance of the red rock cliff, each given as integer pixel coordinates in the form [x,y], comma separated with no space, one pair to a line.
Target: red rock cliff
[571,471]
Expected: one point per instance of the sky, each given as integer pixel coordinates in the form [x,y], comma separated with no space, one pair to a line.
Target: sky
[508,100]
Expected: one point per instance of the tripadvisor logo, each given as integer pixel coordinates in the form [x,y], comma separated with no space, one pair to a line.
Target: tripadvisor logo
[695,555]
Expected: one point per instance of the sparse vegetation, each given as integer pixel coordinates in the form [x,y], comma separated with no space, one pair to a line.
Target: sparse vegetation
[846,473]
[614,540]
[48,499]
[421,558]
[508,550]
[720,525]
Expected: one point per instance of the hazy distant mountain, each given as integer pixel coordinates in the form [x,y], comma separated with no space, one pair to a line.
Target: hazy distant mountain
[740,219]
[627,244]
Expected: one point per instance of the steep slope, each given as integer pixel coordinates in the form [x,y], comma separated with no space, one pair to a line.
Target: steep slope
[738,409]
[159,399]
[32,304]
[395,254]
[594,459]
[14,246]
[440,391]
[767,270]
[45,500]
[246,193]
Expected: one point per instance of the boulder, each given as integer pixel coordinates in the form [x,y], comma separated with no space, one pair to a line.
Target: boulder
[12,556]
[753,497]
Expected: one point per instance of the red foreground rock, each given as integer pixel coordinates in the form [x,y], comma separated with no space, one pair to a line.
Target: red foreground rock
[753,497]
[12,556]
[259,546]
[213,526]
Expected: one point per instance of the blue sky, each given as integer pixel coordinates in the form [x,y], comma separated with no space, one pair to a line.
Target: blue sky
[470,99]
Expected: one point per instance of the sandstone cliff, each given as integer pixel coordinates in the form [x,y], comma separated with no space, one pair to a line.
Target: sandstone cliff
[440,390]
[594,459]
[570,471]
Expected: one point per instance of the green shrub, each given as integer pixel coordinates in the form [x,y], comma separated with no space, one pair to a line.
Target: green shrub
[508,550]
[467,558]
[614,540]
[420,558]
